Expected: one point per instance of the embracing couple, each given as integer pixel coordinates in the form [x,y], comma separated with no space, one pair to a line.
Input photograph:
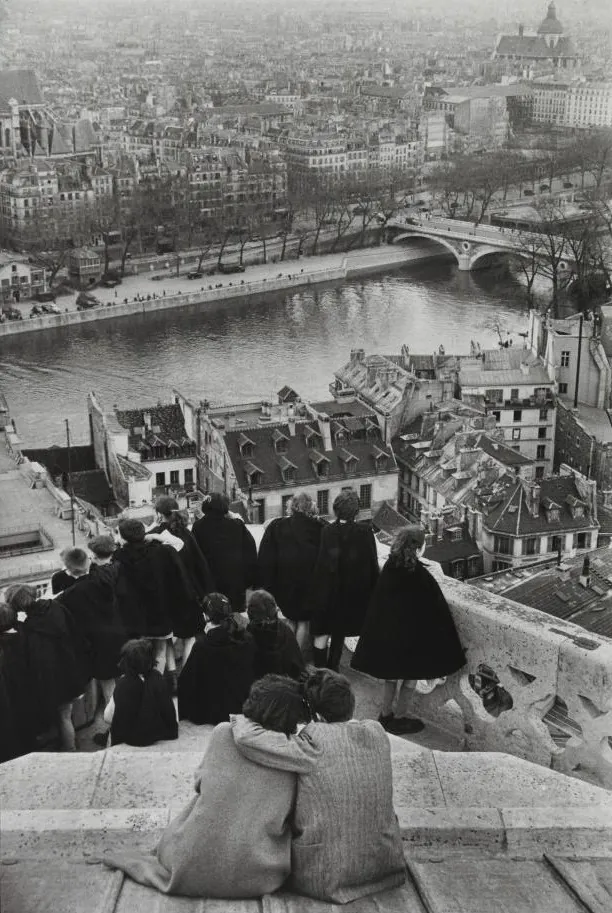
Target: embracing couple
[278,803]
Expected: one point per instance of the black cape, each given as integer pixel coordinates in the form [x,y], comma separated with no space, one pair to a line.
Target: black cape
[144,711]
[193,561]
[345,575]
[61,581]
[57,659]
[230,550]
[276,650]
[217,677]
[409,631]
[155,598]
[287,557]
[93,606]
[17,707]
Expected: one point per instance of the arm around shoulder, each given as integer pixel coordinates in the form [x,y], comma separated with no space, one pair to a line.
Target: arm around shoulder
[297,753]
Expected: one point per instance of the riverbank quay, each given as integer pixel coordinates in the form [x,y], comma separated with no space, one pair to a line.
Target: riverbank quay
[145,295]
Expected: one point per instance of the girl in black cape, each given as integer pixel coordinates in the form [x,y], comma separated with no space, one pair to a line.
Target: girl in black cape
[409,633]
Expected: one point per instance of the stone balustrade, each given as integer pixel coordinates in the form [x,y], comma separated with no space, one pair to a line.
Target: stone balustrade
[542,663]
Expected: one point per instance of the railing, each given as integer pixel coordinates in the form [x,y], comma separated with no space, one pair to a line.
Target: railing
[542,664]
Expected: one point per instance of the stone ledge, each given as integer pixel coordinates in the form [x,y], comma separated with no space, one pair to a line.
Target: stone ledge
[585,831]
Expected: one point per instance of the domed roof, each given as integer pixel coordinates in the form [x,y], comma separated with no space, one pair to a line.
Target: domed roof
[551,25]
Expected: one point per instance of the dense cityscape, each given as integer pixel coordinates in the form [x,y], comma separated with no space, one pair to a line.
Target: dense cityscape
[306,407]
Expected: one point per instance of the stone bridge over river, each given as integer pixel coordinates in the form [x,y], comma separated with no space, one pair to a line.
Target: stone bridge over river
[473,245]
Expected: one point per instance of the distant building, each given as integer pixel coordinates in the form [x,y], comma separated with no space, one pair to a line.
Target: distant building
[516,387]
[576,104]
[530,520]
[263,453]
[144,452]
[20,279]
[478,114]
[548,47]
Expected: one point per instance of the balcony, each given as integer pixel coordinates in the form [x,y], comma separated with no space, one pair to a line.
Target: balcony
[542,664]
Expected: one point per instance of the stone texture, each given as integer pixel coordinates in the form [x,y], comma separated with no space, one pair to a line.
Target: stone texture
[456,828]
[192,738]
[493,780]
[38,887]
[415,781]
[45,780]
[145,779]
[482,885]
[72,834]
[582,831]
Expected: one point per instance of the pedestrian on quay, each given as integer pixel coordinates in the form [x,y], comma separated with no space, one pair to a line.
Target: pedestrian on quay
[276,649]
[17,702]
[287,556]
[153,593]
[344,576]
[216,679]
[229,548]
[409,633]
[141,711]
[57,659]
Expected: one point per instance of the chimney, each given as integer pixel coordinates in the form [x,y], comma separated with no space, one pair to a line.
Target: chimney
[371,375]
[146,417]
[291,419]
[325,429]
[521,30]
[357,356]
[585,575]
[533,499]
[563,571]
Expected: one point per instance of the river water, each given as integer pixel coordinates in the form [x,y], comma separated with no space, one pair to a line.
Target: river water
[248,350]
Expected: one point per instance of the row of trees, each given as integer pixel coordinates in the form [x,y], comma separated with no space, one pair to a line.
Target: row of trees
[468,185]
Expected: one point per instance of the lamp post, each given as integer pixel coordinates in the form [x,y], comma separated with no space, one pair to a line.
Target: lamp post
[70,488]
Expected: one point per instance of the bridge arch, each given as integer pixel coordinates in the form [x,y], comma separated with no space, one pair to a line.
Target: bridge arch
[441,241]
[483,251]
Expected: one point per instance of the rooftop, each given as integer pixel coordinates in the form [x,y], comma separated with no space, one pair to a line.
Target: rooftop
[502,367]
[512,516]
[596,422]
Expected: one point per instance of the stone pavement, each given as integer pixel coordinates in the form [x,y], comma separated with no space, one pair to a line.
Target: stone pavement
[482,832]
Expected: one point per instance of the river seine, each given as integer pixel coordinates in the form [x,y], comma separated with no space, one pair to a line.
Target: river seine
[248,350]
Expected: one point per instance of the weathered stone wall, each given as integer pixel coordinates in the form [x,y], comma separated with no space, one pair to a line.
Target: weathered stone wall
[539,660]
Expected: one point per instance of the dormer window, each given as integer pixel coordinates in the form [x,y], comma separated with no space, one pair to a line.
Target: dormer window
[312,436]
[253,473]
[576,507]
[380,458]
[288,469]
[280,440]
[320,463]
[349,460]
[246,446]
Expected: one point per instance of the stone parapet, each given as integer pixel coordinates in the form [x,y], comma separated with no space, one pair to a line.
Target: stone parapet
[541,662]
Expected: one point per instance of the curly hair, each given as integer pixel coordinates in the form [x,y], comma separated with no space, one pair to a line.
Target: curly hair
[276,702]
[406,545]
[302,503]
[346,504]
[261,609]
[329,695]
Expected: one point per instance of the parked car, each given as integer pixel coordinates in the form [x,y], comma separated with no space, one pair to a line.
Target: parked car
[50,309]
[45,296]
[12,313]
[86,301]
[195,274]
[527,192]
[229,268]
[110,279]
[36,311]
[544,188]
[567,185]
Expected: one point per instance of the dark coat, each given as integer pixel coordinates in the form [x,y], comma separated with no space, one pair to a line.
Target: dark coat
[409,631]
[61,581]
[276,650]
[144,712]
[57,659]
[217,677]
[193,561]
[17,708]
[93,606]
[287,556]
[155,598]
[230,550]
[345,575]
